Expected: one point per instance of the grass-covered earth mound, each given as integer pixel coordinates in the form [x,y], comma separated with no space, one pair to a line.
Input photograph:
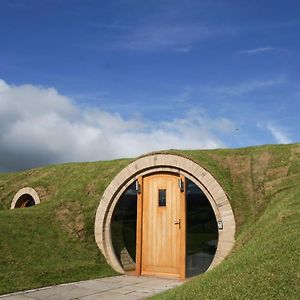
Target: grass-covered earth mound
[53,242]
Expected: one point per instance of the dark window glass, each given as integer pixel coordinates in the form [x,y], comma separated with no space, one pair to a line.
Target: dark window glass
[202,231]
[123,228]
[25,200]
[29,203]
[162,197]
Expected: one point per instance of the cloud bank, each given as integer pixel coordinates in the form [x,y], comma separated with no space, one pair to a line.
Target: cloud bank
[40,126]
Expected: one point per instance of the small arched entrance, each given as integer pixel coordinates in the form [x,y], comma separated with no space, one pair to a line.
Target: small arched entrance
[25,200]
[181,219]
[25,197]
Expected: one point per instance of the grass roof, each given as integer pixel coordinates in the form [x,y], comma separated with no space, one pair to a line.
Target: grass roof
[53,242]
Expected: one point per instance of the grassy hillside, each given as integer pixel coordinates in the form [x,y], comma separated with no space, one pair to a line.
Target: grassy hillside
[263,184]
[54,242]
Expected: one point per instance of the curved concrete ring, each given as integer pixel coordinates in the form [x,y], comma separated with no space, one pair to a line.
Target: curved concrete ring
[26,190]
[157,163]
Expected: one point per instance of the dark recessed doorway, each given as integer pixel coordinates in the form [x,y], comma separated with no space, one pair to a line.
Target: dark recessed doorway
[201,231]
[25,200]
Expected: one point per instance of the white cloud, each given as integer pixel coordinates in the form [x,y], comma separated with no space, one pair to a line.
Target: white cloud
[40,126]
[185,95]
[174,35]
[244,87]
[257,50]
[279,134]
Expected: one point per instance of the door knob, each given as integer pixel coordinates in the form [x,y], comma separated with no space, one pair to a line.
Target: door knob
[177,223]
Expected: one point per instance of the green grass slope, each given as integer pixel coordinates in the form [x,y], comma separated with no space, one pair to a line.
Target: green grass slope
[263,184]
[54,242]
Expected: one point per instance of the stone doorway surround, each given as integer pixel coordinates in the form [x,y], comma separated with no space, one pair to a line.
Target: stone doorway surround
[165,163]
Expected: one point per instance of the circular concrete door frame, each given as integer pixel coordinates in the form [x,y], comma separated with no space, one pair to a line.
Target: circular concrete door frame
[25,191]
[164,163]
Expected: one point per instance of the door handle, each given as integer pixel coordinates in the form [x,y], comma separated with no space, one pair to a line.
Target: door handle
[177,223]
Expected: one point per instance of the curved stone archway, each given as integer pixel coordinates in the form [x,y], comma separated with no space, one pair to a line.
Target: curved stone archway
[25,197]
[162,163]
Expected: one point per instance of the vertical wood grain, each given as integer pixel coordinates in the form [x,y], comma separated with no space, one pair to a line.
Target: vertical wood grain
[162,241]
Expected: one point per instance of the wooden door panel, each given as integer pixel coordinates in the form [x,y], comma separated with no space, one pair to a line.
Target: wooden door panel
[161,238]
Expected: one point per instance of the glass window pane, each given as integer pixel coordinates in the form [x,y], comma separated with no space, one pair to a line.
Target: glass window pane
[202,231]
[162,197]
[123,228]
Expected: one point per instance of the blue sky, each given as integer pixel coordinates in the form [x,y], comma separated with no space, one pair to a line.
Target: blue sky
[87,80]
